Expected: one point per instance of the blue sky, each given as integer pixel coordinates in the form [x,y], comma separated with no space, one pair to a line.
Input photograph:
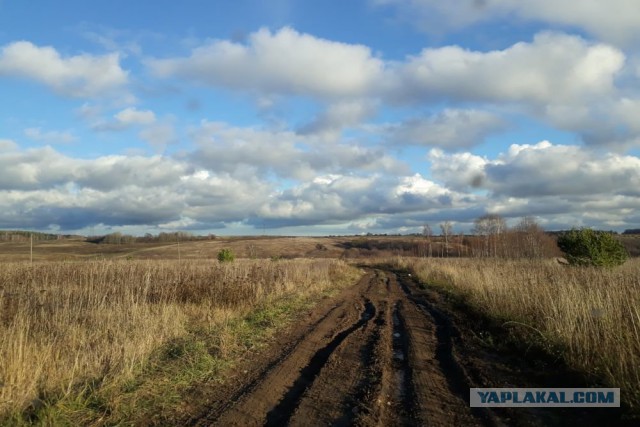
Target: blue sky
[317,117]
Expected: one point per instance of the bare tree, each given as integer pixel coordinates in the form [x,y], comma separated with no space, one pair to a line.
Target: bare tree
[492,228]
[462,251]
[446,228]
[428,234]
[530,237]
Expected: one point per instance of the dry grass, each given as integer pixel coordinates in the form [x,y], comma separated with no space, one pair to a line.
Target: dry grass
[592,316]
[67,326]
[74,249]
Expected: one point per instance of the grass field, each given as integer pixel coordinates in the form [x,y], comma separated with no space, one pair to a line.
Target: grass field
[75,335]
[94,334]
[588,316]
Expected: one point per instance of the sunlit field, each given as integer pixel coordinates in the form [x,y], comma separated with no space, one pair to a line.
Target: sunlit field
[589,316]
[67,328]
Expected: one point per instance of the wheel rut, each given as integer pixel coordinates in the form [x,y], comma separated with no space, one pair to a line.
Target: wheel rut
[283,411]
[382,353]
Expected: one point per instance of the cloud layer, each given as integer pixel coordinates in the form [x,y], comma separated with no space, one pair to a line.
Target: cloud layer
[614,20]
[337,135]
[42,188]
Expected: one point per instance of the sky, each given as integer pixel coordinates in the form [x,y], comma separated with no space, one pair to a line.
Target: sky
[317,117]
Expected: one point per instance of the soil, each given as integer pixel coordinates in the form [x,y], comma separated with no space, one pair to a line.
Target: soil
[386,352]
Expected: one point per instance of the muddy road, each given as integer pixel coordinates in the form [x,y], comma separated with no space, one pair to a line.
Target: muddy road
[384,352]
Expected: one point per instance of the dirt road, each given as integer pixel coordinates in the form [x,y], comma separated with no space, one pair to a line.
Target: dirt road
[382,353]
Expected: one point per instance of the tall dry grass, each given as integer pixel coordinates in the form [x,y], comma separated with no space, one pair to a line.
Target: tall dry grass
[67,325]
[592,315]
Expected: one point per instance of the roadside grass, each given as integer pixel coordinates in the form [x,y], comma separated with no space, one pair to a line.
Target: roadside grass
[588,316]
[112,342]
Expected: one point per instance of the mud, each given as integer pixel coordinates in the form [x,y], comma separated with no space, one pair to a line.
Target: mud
[384,352]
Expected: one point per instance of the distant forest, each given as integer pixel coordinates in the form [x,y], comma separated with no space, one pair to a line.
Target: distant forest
[25,236]
[123,239]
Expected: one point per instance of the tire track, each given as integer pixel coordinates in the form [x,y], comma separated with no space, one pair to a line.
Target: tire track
[281,414]
[274,395]
[380,355]
[335,398]
[402,384]
[251,384]
[445,332]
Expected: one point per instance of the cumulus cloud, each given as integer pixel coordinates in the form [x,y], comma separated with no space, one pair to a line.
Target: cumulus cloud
[122,120]
[552,69]
[50,137]
[541,169]
[160,135]
[132,116]
[339,198]
[41,187]
[81,76]
[614,20]
[450,129]
[339,116]
[460,171]
[285,62]
[563,80]
[547,169]
[283,154]
[45,168]
[546,179]
[8,145]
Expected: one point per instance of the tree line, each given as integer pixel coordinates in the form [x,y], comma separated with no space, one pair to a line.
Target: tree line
[25,236]
[118,238]
[492,238]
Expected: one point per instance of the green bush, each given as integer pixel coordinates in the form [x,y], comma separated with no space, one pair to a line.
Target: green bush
[591,247]
[226,255]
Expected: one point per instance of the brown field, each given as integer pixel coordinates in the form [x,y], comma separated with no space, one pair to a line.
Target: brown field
[73,328]
[588,316]
[244,247]
[164,334]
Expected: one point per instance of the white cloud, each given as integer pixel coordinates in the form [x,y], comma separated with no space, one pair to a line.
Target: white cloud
[122,120]
[612,20]
[82,75]
[460,171]
[339,198]
[285,62]
[283,154]
[547,169]
[541,170]
[160,135]
[564,80]
[450,129]
[132,116]
[50,137]
[41,187]
[339,116]
[566,185]
[8,145]
[552,69]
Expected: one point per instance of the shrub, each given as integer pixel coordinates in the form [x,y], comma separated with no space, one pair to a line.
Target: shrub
[591,247]
[226,255]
